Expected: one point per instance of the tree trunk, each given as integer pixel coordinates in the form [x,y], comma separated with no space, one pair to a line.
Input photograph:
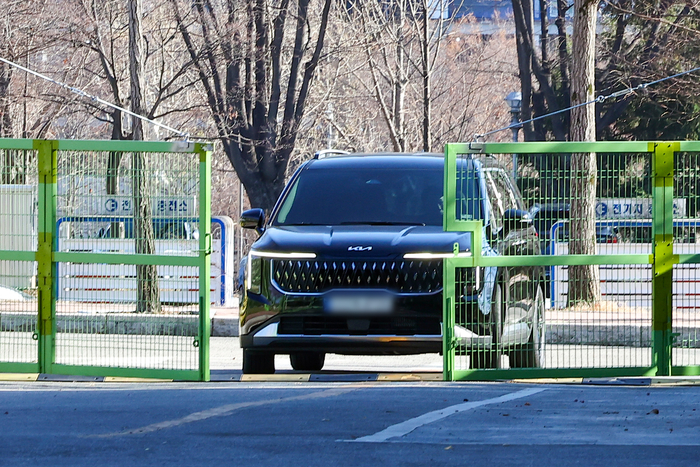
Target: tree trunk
[148,299]
[245,96]
[113,162]
[584,282]
[400,84]
[525,58]
[425,46]
[5,120]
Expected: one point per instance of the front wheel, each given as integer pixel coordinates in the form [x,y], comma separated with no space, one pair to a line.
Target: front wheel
[258,363]
[531,355]
[491,357]
[307,361]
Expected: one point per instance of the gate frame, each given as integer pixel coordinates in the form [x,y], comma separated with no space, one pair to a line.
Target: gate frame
[662,258]
[47,256]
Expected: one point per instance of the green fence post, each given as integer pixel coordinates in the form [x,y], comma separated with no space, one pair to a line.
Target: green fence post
[448,320]
[46,267]
[204,151]
[664,259]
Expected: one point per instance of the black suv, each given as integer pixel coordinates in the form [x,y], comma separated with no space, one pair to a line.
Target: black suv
[350,262]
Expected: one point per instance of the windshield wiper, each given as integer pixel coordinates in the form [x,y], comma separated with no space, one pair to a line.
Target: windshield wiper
[381,223]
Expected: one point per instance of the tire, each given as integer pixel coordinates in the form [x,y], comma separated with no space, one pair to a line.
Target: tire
[531,355]
[258,363]
[491,357]
[307,361]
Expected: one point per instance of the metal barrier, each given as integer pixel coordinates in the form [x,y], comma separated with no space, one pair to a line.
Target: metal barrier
[90,282]
[135,335]
[629,289]
[496,285]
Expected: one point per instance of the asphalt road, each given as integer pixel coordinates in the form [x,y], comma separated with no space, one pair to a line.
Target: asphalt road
[352,424]
[178,352]
[226,355]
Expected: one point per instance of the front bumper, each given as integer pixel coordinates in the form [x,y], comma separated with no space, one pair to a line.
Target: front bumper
[269,339]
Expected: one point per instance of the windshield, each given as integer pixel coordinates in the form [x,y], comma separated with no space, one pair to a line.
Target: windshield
[396,196]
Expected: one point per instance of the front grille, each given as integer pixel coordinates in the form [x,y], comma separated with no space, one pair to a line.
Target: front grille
[317,276]
[327,325]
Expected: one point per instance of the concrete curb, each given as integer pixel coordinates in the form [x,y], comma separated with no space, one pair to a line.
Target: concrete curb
[222,325]
[613,334]
[623,335]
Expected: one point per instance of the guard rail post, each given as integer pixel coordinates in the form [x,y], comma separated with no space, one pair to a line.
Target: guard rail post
[205,242]
[46,239]
[663,257]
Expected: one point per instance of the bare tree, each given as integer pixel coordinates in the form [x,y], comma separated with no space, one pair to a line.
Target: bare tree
[542,95]
[27,32]
[255,80]
[431,23]
[432,77]
[146,275]
[99,33]
[468,84]
[584,280]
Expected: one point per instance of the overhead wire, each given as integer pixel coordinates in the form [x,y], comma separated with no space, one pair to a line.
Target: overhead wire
[84,94]
[477,136]
[598,99]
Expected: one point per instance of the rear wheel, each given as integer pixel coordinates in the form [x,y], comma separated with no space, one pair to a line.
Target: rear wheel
[307,361]
[531,355]
[490,357]
[258,363]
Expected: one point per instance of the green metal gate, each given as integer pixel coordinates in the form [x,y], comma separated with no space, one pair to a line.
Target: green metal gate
[97,187]
[646,323]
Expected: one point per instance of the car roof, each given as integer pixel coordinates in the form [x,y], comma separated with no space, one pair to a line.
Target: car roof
[379,160]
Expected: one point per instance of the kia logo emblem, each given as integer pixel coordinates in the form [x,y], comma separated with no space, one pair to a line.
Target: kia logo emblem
[359,248]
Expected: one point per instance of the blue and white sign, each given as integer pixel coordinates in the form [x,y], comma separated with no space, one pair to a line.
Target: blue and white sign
[171,206]
[632,208]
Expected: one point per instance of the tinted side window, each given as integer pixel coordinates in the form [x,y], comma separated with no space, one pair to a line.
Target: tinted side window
[501,195]
[468,205]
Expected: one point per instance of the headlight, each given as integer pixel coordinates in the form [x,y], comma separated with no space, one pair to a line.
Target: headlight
[255,263]
[253,273]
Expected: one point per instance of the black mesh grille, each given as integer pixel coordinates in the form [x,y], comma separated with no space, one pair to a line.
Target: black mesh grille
[313,276]
[317,325]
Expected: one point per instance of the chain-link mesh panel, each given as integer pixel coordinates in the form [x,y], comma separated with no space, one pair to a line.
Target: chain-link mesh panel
[686,277]
[591,311]
[128,315]
[112,335]
[686,323]
[109,196]
[562,202]
[18,236]
[18,312]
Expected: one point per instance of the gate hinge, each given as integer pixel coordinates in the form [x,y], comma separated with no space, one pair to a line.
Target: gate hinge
[673,337]
[207,242]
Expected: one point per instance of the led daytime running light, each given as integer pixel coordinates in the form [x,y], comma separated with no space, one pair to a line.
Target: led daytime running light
[274,254]
[427,255]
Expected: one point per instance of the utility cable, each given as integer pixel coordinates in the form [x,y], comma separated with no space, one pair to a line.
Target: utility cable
[82,93]
[598,99]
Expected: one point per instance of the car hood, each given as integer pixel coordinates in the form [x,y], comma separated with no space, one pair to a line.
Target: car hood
[368,241]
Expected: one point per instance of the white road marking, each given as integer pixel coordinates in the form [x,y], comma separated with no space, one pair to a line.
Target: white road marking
[225,410]
[404,428]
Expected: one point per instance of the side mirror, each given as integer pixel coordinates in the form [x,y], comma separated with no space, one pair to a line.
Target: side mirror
[516,219]
[253,219]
